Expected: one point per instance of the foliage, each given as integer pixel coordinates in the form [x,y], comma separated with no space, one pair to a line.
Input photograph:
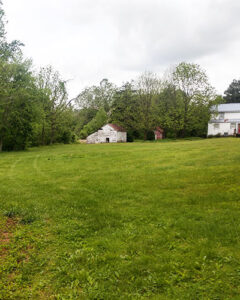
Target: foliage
[95,124]
[150,135]
[97,97]
[33,107]
[83,117]
[17,104]
[125,108]
[35,110]
[130,137]
[148,88]
[232,94]
[8,50]
[197,97]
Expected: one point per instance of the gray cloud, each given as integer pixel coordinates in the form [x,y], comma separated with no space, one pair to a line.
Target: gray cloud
[91,39]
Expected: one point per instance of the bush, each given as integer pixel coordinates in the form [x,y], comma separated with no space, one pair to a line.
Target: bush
[171,135]
[150,135]
[74,138]
[237,134]
[130,138]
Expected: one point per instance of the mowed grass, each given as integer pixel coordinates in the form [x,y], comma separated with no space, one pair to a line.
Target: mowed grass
[121,221]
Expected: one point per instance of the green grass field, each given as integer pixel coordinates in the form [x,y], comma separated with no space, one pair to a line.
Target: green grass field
[154,220]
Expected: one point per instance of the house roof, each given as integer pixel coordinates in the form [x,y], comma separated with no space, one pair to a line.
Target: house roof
[225,121]
[159,129]
[117,127]
[228,107]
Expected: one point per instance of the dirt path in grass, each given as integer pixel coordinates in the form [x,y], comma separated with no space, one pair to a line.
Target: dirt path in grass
[7,227]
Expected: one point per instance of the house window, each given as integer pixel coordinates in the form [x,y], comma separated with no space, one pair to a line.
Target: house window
[216,126]
[221,116]
[233,126]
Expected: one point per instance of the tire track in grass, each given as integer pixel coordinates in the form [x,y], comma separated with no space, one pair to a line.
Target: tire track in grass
[10,174]
[37,168]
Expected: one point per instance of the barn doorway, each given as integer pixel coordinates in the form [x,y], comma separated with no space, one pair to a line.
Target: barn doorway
[107,140]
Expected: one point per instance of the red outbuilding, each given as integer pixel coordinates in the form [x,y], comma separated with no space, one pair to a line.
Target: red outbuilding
[158,132]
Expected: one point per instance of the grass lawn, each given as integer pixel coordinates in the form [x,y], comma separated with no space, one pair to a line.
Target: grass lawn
[121,221]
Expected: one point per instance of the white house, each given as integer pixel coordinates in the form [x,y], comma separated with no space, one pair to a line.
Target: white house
[109,133]
[225,119]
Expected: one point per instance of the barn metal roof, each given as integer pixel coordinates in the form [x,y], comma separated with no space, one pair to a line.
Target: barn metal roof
[229,107]
[117,128]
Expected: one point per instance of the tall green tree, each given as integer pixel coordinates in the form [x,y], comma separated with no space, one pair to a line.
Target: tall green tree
[125,108]
[8,50]
[97,97]
[54,103]
[16,93]
[232,94]
[97,122]
[197,93]
[170,111]
[148,87]
[16,104]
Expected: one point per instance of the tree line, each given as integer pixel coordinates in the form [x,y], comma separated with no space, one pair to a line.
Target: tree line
[179,103]
[35,108]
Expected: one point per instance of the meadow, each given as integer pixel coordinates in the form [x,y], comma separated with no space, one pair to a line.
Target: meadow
[157,220]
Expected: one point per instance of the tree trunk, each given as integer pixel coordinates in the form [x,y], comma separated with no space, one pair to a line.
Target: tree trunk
[43,135]
[1,143]
[52,133]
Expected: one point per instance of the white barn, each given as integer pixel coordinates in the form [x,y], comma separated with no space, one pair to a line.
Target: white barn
[225,119]
[109,133]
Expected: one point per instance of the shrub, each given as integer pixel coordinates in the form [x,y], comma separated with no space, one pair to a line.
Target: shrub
[150,135]
[130,138]
[171,135]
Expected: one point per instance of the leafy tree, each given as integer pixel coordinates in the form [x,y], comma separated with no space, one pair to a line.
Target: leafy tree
[8,51]
[16,104]
[232,94]
[97,97]
[97,122]
[197,93]
[148,88]
[83,117]
[54,104]
[170,111]
[125,108]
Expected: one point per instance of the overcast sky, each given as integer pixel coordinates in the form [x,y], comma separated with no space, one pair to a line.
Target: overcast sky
[87,40]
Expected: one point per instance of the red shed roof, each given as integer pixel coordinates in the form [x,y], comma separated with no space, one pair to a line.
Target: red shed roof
[158,129]
[117,128]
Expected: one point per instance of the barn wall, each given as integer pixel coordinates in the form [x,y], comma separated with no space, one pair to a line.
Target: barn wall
[93,138]
[104,134]
[107,134]
[121,137]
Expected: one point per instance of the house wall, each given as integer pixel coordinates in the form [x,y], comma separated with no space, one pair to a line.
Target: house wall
[158,135]
[223,128]
[227,115]
[231,115]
